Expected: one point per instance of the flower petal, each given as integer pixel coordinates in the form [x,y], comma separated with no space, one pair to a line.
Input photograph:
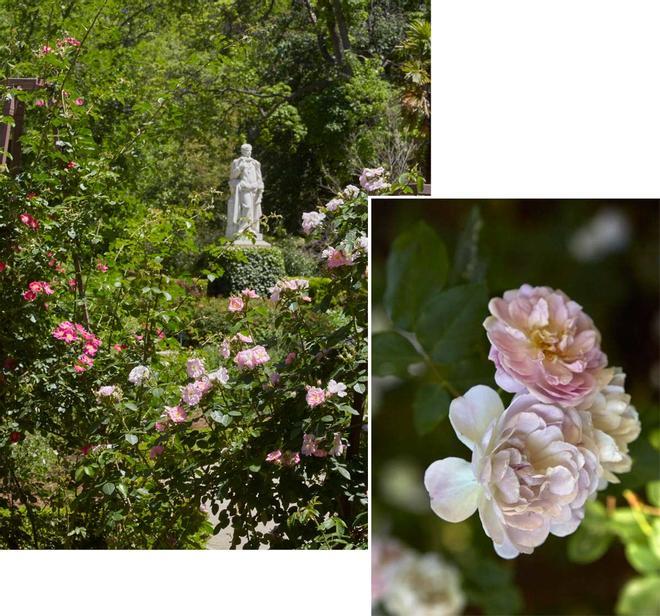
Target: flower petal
[453,489]
[472,414]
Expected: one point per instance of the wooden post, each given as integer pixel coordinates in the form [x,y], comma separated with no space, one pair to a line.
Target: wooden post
[10,146]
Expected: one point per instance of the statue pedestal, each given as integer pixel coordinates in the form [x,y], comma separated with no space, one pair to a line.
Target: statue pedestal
[246,241]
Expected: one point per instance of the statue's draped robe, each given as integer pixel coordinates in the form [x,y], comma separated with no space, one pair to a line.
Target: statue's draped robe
[244,206]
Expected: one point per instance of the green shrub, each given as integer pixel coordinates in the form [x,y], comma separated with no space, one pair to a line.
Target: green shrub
[257,268]
[297,260]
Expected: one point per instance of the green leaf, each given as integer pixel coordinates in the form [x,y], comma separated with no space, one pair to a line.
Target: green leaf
[642,557]
[449,327]
[131,406]
[359,388]
[588,544]
[417,265]
[653,493]
[391,354]
[108,488]
[343,472]
[640,597]
[430,407]
[121,488]
[131,438]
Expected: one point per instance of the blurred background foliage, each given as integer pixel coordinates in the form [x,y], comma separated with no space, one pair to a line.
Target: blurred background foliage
[321,88]
[604,255]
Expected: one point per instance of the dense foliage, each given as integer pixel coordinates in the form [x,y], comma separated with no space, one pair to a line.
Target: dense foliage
[129,399]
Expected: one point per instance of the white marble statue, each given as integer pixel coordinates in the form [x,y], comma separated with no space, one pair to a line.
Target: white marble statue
[244,205]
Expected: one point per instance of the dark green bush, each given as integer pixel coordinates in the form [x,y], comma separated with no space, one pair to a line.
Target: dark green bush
[257,268]
[298,261]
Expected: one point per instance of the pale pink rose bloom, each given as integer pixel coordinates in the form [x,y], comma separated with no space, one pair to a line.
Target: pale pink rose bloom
[531,471]
[156,451]
[543,342]
[338,446]
[106,391]
[373,179]
[615,425]
[195,368]
[204,385]
[40,102]
[225,348]
[235,304]
[160,426]
[79,368]
[243,338]
[139,375]
[311,220]
[260,355]
[336,389]
[192,393]
[315,396]
[274,456]
[336,257]
[176,413]
[309,445]
[334,204]
[249,293]
[350,192]
[250,358]
[290,358]
[386,557]
[219,376]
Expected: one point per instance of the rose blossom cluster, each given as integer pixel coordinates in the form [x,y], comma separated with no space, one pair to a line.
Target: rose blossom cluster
[251,358]
[311,220]
[316,396]
[311,446]
[69,333]
[283,458]
[36,288]
[373,180]
[406,582]
[564,436]
[289,287]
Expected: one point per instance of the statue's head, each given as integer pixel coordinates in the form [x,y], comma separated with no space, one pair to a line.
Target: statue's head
[246,149]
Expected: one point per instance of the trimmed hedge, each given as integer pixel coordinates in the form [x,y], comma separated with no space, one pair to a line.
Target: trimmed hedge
[248,267]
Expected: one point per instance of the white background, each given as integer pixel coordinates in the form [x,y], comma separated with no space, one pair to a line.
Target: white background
[530,99]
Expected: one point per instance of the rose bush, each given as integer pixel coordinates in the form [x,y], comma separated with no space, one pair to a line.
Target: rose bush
[153,407]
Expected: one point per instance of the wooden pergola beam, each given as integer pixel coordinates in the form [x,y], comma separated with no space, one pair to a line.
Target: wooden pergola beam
[10,147]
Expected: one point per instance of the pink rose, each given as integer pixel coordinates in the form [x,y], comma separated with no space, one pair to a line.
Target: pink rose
[29,296]
[156,451]
[29,220]
[336,258]
[315,396]
[274,456]
[249,293]
[532,469]
[236,304]
[544,343]
[79,101]
[40,102]
[290,358]
[101,267]
[176,413]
